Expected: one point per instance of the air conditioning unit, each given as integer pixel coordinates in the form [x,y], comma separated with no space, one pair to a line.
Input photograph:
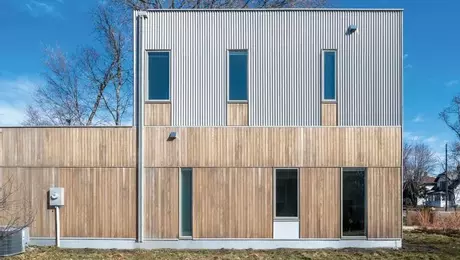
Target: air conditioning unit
[13,243]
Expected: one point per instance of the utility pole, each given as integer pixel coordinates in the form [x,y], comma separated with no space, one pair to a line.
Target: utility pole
[447,182]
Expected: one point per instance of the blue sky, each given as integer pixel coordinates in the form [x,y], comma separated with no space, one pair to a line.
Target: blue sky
[431,39]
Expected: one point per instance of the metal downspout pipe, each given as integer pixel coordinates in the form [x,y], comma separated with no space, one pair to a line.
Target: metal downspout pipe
[140,126]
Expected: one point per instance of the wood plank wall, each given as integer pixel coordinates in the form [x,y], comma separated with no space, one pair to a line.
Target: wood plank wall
[384,202]
[96,167]
[329,114]
[99,202]
[237,114]
[157,114]
[320,202]
[30,187]
[232,203]
[161,203]
[69,147]
[274,147]
[1,147]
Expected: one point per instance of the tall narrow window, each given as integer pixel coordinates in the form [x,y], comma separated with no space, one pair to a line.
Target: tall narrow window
[354,202]
[286,193]
[238,75]
[158,75]
[186,202]
[329,75]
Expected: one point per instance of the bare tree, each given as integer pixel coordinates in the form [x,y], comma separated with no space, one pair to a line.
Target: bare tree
[418,161]
[92,86]
[16,213]
[194,4]
[65,98]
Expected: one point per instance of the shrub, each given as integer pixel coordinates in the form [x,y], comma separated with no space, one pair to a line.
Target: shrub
[446,221]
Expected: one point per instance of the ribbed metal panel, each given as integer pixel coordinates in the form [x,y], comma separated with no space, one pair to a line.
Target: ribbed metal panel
[284,64]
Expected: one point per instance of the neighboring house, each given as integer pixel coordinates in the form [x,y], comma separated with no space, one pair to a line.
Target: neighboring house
[254,129]
[436,196]
[428,183]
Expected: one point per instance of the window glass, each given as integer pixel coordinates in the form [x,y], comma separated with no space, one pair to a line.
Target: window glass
[329,75]
[286,193]
[158,76]
[238,75]
[353,203]
[186,202]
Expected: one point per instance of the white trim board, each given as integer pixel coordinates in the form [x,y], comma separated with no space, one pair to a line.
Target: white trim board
[216,244]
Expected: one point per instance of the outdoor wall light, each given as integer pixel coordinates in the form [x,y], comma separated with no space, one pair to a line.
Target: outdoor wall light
[172,136]
[352,28]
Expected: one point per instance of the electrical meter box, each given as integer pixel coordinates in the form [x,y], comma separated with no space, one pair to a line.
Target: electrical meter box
[56,197]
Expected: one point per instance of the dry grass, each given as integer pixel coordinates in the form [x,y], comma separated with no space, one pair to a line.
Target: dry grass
[416,245]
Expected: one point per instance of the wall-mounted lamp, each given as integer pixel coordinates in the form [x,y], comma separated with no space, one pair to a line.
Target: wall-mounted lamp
[352,28]
[172,136]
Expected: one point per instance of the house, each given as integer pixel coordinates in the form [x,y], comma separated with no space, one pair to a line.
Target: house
[436,196]
[253,129]
[428,183]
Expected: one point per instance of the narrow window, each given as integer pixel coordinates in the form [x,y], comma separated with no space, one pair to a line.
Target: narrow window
[158,75]
[353,202]
[186,202]
[238,75]
[286,193]
[329,75]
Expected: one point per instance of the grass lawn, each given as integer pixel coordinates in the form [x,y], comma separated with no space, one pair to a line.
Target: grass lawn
[416,245]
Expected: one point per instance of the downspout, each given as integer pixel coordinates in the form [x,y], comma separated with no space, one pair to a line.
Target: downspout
[140,127]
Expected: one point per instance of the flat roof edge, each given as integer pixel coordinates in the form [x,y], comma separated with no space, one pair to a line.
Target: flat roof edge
[277,9]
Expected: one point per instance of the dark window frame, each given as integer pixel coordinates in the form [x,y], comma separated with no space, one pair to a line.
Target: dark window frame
[181,236]
[229,51]
[147,78]
[281,218]
[365,202]
[323,76]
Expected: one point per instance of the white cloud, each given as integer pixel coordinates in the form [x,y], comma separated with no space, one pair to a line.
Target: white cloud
[16,93]
[418,119]
[37,8]
[452,83]
[431,139]
[412,137]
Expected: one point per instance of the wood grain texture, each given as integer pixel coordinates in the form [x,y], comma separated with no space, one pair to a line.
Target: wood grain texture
[274,147]
[161,203]
[329,114]
[237,114]
[157,114]
[69,147]
[320,202]
[30,187]
[99,202]
[384,202]
[232,203]
[1,147]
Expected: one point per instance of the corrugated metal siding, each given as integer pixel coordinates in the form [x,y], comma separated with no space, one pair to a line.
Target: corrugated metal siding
[284,64]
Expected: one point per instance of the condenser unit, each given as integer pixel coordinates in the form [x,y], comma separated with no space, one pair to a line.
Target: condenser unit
[13,243]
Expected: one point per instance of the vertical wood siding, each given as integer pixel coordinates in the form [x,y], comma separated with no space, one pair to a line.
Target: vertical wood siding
[320,202]
[99,202]
[274,147]
[232,203]
[384,202]
[328,114]
[161,203]
[284,54]
[30,187]
[237,114]
[157,114]
[69,147]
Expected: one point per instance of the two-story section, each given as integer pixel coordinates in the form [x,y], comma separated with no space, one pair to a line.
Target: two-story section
[269,128]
